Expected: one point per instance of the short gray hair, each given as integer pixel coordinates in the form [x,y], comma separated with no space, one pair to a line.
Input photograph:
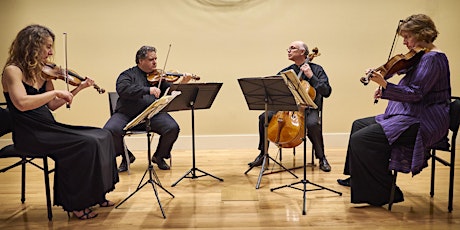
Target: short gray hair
[305,47]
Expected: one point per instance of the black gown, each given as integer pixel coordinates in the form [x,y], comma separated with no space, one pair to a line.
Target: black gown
[85,165]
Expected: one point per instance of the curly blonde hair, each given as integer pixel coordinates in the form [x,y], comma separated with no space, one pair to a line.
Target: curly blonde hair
[421,26]
[25,50]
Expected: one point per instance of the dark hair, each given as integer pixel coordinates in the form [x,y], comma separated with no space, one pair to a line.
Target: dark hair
[421,26]
[25,50]
[142,52]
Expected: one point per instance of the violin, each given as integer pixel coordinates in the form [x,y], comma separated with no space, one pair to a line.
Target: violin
[53,72]
[396,64]
[172,76]
[286,128]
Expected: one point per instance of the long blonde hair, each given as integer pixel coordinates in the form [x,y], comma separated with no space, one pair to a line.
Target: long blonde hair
[25,50]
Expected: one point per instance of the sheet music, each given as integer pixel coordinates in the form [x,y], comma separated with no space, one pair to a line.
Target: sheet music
[300,93]
[153,109]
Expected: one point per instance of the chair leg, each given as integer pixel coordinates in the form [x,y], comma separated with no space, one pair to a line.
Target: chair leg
[312,156]
[293,156]
[312,163]
[281,154]
[393,188]
[451,178]
[47,187]
[23,179]
[126,156]
[433,170]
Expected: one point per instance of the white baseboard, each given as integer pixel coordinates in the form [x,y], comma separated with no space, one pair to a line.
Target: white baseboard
[246,141]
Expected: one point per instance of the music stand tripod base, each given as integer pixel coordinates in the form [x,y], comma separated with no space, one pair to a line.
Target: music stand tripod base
[267,93]
[153,179]
[284,170]
[262,172]
[304,181]
[192,171]
[194,96]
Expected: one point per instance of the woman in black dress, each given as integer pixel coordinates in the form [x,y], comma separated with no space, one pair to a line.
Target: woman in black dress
[85,166]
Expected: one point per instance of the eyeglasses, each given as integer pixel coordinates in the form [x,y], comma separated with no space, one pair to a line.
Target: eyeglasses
[291,48]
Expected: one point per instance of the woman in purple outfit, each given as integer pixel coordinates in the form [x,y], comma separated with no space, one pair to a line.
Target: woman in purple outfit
[417,117]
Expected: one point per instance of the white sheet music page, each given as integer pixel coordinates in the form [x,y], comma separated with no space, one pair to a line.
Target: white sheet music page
[153,109]
[300,93]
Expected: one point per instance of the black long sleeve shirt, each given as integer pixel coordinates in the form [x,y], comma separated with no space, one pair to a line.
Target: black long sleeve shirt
[133,89]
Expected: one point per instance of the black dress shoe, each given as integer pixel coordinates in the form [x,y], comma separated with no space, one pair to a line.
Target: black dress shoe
[258,161]
[344,182]
[399,196]
[324,165]
[161,163]
[124,165]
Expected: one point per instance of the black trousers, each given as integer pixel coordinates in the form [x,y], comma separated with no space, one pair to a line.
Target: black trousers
[367,161]
[314,131]
[162,124]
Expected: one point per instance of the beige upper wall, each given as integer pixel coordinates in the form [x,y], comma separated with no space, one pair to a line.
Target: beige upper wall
[223,40]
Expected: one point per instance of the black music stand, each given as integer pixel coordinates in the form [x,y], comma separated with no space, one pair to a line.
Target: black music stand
[193,96]
[267,93]
[304,181]
[145,116]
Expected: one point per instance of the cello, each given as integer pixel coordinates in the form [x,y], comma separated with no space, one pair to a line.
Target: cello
[286,128]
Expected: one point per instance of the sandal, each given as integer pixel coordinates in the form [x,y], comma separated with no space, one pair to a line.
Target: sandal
[86,214]
[106,203]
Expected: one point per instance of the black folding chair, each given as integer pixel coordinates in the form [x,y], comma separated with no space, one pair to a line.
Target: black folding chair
[9,151]
[445,147]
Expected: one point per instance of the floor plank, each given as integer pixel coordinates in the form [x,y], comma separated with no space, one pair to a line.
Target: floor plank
[235,203]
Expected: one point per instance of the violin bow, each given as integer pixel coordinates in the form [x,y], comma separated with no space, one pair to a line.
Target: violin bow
[391,51]
[66,66]
[164,67]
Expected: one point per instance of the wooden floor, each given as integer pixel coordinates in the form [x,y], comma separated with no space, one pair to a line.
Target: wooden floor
[235,203]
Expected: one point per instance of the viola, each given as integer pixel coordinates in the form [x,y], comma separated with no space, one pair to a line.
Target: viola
[396,64]
[172,76]
[286,128]
[53,72]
